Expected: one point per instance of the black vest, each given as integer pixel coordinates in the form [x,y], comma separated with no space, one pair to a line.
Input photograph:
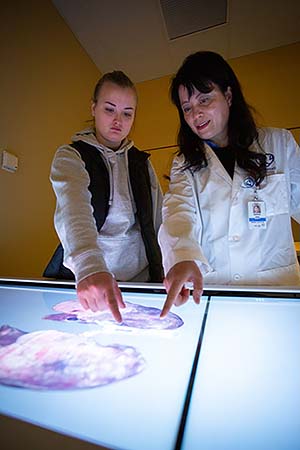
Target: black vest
[100,190]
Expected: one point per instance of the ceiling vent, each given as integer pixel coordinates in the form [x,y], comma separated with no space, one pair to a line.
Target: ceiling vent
[184,17]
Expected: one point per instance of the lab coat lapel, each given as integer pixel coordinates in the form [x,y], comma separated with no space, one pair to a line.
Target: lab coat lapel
[238,178]
[216,165]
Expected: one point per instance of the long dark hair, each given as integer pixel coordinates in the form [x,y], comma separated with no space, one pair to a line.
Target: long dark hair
[201,70]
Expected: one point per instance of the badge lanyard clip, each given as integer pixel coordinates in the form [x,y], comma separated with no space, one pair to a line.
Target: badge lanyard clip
[255,196]
[257,212]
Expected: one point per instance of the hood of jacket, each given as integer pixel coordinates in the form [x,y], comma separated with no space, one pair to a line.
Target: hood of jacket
[89,136]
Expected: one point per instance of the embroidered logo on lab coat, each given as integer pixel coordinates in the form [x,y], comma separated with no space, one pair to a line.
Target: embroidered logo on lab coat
[270,162]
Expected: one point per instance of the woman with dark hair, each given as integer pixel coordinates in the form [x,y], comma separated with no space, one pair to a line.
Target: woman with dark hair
[108,207]
[224,166]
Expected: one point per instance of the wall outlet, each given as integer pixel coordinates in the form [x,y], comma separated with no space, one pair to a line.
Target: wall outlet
[9,161]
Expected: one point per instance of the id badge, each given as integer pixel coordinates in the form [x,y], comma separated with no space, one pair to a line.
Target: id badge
[257,215]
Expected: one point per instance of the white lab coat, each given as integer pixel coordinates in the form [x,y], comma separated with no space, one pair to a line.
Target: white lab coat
[205,218]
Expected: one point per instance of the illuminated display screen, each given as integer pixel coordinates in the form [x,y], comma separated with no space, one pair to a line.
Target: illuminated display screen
[145,407]
[221,375]
[247,387]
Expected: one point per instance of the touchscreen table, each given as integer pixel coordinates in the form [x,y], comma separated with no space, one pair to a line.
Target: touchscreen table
[247,387]
[222,375]
[139,409]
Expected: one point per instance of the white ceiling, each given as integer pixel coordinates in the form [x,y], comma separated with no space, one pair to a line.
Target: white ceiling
[131,35]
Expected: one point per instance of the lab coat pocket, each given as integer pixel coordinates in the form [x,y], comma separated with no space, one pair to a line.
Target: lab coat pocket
[283,276]
[275,195]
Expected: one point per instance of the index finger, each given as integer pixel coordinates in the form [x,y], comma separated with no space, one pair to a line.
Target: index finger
[113,306]
[171,297]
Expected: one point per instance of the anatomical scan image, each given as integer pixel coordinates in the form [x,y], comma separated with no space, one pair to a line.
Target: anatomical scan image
[134,317]
[51,359]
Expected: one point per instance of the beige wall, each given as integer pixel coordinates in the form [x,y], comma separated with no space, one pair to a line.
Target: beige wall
[46,82]
[270,81]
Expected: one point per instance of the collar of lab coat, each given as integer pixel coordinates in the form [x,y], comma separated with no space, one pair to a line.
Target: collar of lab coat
[219,170]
